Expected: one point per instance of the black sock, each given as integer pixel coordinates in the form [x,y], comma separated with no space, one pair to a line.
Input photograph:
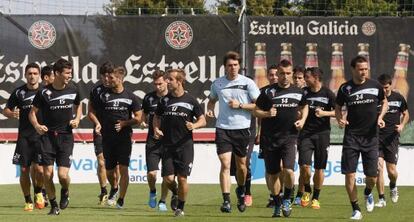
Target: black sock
[308,188]
[367,191]
[286,194]
[277,199]
[316,194]
[226,197]
[37,189]
[242,189]
[64,192]
[174,189]
[53,202]
[392,185]
[381,196]
[271,196]
[248,183]
[161,201]
[103,190]
[355,205]
[28,199]
[299,194]
[153,191]
[180,204]
[120,202]
[44,192]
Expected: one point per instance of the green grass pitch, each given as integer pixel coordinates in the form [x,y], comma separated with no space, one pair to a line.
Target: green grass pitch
[202,205]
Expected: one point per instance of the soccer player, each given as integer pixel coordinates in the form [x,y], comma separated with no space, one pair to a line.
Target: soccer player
[299,76]
[314,138]
[95,115]
[47,75]
[278,106]
[120,111]
[56,103]
[395,120]
[361,96]
[153,148]
[236,95]
[174,124]
[28,143]
[272,78]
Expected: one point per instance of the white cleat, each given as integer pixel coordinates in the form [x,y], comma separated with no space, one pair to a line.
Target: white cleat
[356,215]
[394,195]
[369,202]
[381,203]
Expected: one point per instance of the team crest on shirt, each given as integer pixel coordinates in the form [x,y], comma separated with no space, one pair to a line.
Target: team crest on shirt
[22,93]
[305,92]
[348,89]
[48,93]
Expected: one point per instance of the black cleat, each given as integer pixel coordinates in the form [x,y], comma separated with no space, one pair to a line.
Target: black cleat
[174,202]
[64,200]
[54,211]
[241,206]
[225,207]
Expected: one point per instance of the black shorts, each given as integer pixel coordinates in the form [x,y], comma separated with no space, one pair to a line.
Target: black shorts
[178,160]
[318,143]
[153,154]
[235,141]
[233,168]
[117,150]
[28,150]
[353,146]
[57,147]
[97,143]
[388,147]
[285,152]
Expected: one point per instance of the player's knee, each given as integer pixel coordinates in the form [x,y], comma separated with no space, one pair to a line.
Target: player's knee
[152,174]
[168,179]
[63,176]
[182,179]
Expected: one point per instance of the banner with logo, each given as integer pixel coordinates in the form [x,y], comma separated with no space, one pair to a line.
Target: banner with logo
[197,44]
[330,43]
[206,166]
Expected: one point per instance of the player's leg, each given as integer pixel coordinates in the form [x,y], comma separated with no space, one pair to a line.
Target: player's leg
[391,159]
[22,158]
[225,180]
[370,164]
[322,143]
[152,159]
[240,139]
[124,149]
[380,181]
[248,199]
[305,150]
[167,173]
[100,170]
[272,160]
[63,161]
[288,152]
[38,185]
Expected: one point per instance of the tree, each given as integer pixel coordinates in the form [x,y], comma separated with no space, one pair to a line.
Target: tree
[254,7]
[157,7]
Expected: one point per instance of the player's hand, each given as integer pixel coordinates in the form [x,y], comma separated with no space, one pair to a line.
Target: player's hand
[273,112]
[74,123]
[143,125]
[119,125]
[189,125]
[381,123]
[41,129]
[234,104]
[98,128]
[319,112]
[399,128]
[299,124]
[210,113]
[158,133]
[16,113]
[342,123]
[257,140]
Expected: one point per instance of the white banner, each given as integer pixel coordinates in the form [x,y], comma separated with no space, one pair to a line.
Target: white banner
[205,169]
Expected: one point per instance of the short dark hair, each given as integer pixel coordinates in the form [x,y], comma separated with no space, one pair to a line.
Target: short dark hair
[315,72]
[274,66]
[358,59]
[106,67]
[119,71]
[61,64]
[385,79]
[158,74]
[46,71]
[231,55]
[299,68]
[284,63]
[31,65]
